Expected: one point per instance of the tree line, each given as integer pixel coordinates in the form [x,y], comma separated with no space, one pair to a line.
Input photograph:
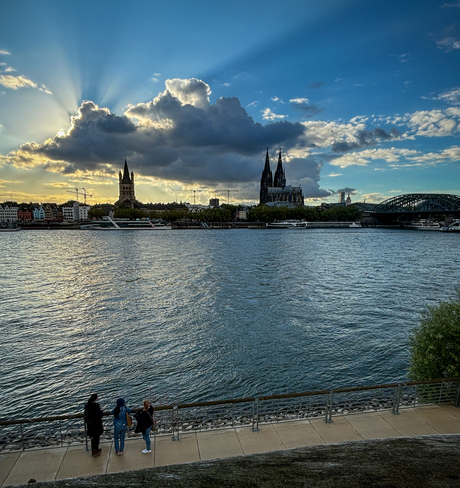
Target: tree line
[226,213]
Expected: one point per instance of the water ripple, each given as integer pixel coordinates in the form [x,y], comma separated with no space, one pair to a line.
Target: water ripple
[194,316]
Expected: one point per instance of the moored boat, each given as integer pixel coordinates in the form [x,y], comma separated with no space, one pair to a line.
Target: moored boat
[110,224]
[287,224]
[453,227]
[423,225]
[9,227]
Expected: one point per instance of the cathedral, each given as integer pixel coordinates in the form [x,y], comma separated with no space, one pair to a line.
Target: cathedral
[274,192]
[126,188]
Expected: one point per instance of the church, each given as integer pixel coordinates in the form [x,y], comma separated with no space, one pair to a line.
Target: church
[274,191]
[126,189]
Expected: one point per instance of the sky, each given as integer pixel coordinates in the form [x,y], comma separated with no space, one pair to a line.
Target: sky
[360,96]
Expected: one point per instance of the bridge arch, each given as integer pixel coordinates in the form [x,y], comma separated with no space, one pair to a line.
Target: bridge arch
[420,203]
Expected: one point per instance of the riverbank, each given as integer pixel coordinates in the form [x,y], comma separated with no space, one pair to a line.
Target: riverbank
[278,454]
[405,462]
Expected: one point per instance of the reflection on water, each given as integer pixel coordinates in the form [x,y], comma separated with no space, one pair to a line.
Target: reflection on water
[199,315]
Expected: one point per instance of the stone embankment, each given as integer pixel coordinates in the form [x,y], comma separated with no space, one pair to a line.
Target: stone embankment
[64,433]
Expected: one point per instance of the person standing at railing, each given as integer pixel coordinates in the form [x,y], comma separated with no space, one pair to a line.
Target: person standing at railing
[144,424]
[120,425]
[93,419]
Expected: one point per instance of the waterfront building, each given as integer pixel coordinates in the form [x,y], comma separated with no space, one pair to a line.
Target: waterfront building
[70,213]
[25,214]
[126,195]
[39,213]
[241,215]
[274,191]
[83,212]
[76,212]
[8,213]
[52,211]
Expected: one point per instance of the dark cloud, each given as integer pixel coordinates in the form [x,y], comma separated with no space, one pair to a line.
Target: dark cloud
[179,135]
[365,138]
[350,191]
[308,111]
[305,173]
[95,136]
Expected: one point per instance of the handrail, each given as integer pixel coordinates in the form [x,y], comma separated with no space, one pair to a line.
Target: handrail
[240,400]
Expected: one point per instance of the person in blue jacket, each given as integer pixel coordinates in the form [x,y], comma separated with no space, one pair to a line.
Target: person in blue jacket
[120,425]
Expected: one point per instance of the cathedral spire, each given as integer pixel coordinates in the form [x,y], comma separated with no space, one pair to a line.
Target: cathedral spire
[266,181]
[279,178]
[267,162]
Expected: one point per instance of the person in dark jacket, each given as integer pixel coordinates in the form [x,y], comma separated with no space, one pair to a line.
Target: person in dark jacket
[93,419]
[144,424]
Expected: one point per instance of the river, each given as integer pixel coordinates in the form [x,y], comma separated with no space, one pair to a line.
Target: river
[191,315]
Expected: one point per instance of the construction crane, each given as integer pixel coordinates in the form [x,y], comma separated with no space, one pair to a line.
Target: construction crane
[228,195]
[85,193]
[194,194]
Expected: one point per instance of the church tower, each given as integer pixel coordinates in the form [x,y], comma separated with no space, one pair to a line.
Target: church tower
[274,192]
[126,188]
[280,177]
[266,181]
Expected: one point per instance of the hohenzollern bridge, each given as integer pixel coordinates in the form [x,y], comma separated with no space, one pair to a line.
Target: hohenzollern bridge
[414,206]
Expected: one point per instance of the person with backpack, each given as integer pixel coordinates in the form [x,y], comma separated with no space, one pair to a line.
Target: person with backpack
[93,419]
[144,424]
[120,425]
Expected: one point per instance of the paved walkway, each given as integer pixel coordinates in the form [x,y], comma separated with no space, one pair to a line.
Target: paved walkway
[74,461]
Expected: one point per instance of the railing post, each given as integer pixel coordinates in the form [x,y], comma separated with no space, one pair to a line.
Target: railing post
[329,403]
[60,433]
[255,415]
[86,435]
[397,400]
[174,423]
[457,399]
[22,438]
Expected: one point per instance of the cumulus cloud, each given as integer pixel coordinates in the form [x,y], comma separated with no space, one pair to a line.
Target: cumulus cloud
[178,136]
[398,158]
[268,114]
[16,82]
[434,123]
[364,138]
[450,96]
[300,101]
[347,136]
[4,52]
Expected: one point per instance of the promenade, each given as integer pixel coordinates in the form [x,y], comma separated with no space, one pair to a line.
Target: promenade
[74,461]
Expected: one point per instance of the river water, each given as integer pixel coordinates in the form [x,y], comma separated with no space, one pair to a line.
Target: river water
[192,315]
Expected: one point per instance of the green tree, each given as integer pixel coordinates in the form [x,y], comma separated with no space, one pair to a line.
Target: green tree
[435,342]
[96,213]
[129,213]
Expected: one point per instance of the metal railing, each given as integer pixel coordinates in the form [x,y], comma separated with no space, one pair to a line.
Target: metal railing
[179,418]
